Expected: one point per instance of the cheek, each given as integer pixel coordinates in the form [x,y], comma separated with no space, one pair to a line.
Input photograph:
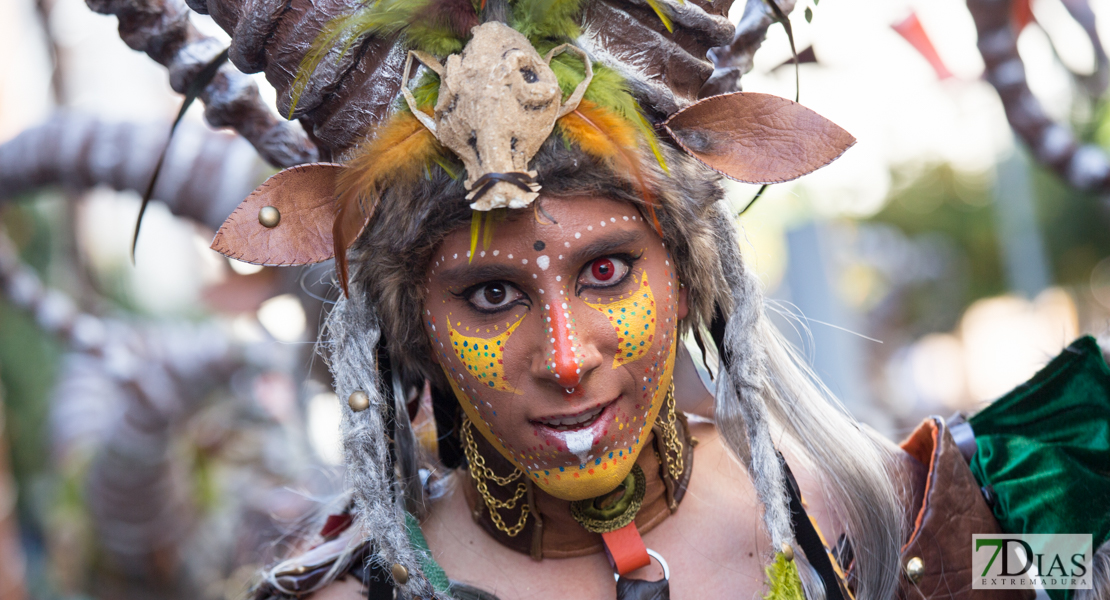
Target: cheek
[483,357]
[632,316]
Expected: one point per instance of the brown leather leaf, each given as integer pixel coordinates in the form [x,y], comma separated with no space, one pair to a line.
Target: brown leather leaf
[757,138]
[305,197]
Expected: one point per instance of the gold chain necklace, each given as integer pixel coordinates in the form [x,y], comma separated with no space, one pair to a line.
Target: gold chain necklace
[479,472]
[671,438]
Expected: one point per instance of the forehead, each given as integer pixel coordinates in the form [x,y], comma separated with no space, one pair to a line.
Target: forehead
[553,224]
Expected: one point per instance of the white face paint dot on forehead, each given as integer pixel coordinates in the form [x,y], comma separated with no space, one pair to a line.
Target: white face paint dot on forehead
[612,219]
[524,261]
[603,223]
[625,217]
[482,254]
[543,262]
[456,255]
[510,257]
[577,234]
[496,252]
[567,244]
[589,228]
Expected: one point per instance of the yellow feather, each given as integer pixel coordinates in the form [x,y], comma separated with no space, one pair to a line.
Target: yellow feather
[599,131]
[610,137]
[399,151]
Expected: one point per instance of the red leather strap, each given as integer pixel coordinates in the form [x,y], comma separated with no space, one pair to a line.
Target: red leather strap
[626,549]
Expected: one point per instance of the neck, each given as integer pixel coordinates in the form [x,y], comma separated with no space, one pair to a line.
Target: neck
[549,530]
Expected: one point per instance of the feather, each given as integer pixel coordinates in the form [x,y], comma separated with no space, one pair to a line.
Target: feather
[475,231]
[662,14]
[399,152]
[547,19]
[603,134]
[442,27]
[439,27]
[609,89]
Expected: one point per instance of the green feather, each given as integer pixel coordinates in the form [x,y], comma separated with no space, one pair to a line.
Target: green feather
[609,89]
[542,20]
[783,581]
[435,39]
[380,17]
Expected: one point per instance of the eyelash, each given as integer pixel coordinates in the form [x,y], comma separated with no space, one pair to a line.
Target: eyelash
[466,294]
[629,259]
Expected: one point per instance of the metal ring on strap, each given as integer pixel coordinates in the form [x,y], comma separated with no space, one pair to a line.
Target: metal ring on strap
[662,563]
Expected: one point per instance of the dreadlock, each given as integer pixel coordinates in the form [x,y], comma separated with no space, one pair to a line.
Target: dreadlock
[766,389]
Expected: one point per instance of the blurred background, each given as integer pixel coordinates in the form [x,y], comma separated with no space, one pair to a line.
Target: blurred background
[165,422]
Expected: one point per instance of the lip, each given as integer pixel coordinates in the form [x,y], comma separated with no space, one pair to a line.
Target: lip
[578,441]
[573,421]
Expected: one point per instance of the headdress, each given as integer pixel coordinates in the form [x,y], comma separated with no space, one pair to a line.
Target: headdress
[492,92]
[455,110]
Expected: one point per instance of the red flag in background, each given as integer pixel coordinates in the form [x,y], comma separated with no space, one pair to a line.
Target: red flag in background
[910,28]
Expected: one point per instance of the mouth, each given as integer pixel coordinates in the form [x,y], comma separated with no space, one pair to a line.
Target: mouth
[574,422]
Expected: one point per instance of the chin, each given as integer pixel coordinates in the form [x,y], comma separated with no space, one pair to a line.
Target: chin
[588,461]
[603,466]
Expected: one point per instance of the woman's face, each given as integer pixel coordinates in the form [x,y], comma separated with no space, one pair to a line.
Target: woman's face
[559,338]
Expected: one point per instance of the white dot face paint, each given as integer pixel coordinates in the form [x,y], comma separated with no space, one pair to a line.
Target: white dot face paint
[543,262]
[496,252]
[577,235]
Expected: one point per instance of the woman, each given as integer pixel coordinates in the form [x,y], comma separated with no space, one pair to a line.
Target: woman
[534,232]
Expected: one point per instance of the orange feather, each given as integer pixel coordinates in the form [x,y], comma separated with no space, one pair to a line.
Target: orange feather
[605,135]
[399,152]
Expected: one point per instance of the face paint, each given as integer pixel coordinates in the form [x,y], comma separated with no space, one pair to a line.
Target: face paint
[633,317]
[564,357]
[595,474]
[483,357]
[616,365]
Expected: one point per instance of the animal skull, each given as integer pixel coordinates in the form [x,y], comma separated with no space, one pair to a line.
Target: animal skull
[498,102]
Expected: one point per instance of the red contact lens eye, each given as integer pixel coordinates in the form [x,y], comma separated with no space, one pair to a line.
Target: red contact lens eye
[603,269]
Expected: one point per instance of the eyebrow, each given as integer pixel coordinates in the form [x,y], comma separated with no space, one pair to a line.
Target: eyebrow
[467,274]
[606,245]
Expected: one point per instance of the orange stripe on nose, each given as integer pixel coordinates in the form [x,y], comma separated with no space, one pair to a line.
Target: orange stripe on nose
[564,357]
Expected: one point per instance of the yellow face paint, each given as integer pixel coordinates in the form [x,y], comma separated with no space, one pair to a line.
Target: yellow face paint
[483,357]
[633,316]
[600,474]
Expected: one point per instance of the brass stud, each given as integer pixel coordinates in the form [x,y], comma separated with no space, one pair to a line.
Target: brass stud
[359,401]
[269,216]
[788,551]
[915,569]
[400,573]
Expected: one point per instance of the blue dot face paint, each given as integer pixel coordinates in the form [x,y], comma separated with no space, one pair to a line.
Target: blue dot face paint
[558,339]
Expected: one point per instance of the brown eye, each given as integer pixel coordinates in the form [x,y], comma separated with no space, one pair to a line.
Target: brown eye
[494,296]
[495,293]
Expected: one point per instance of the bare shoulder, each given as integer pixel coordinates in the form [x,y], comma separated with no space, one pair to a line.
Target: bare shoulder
[347,588]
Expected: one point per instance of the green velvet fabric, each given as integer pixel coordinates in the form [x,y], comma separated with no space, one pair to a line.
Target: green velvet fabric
[1044,448]
[431,568]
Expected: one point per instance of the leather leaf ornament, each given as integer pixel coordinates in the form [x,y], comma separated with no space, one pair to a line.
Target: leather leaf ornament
[757,138]
[304,196]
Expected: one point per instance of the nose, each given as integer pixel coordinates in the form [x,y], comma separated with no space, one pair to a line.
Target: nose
[567,358]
